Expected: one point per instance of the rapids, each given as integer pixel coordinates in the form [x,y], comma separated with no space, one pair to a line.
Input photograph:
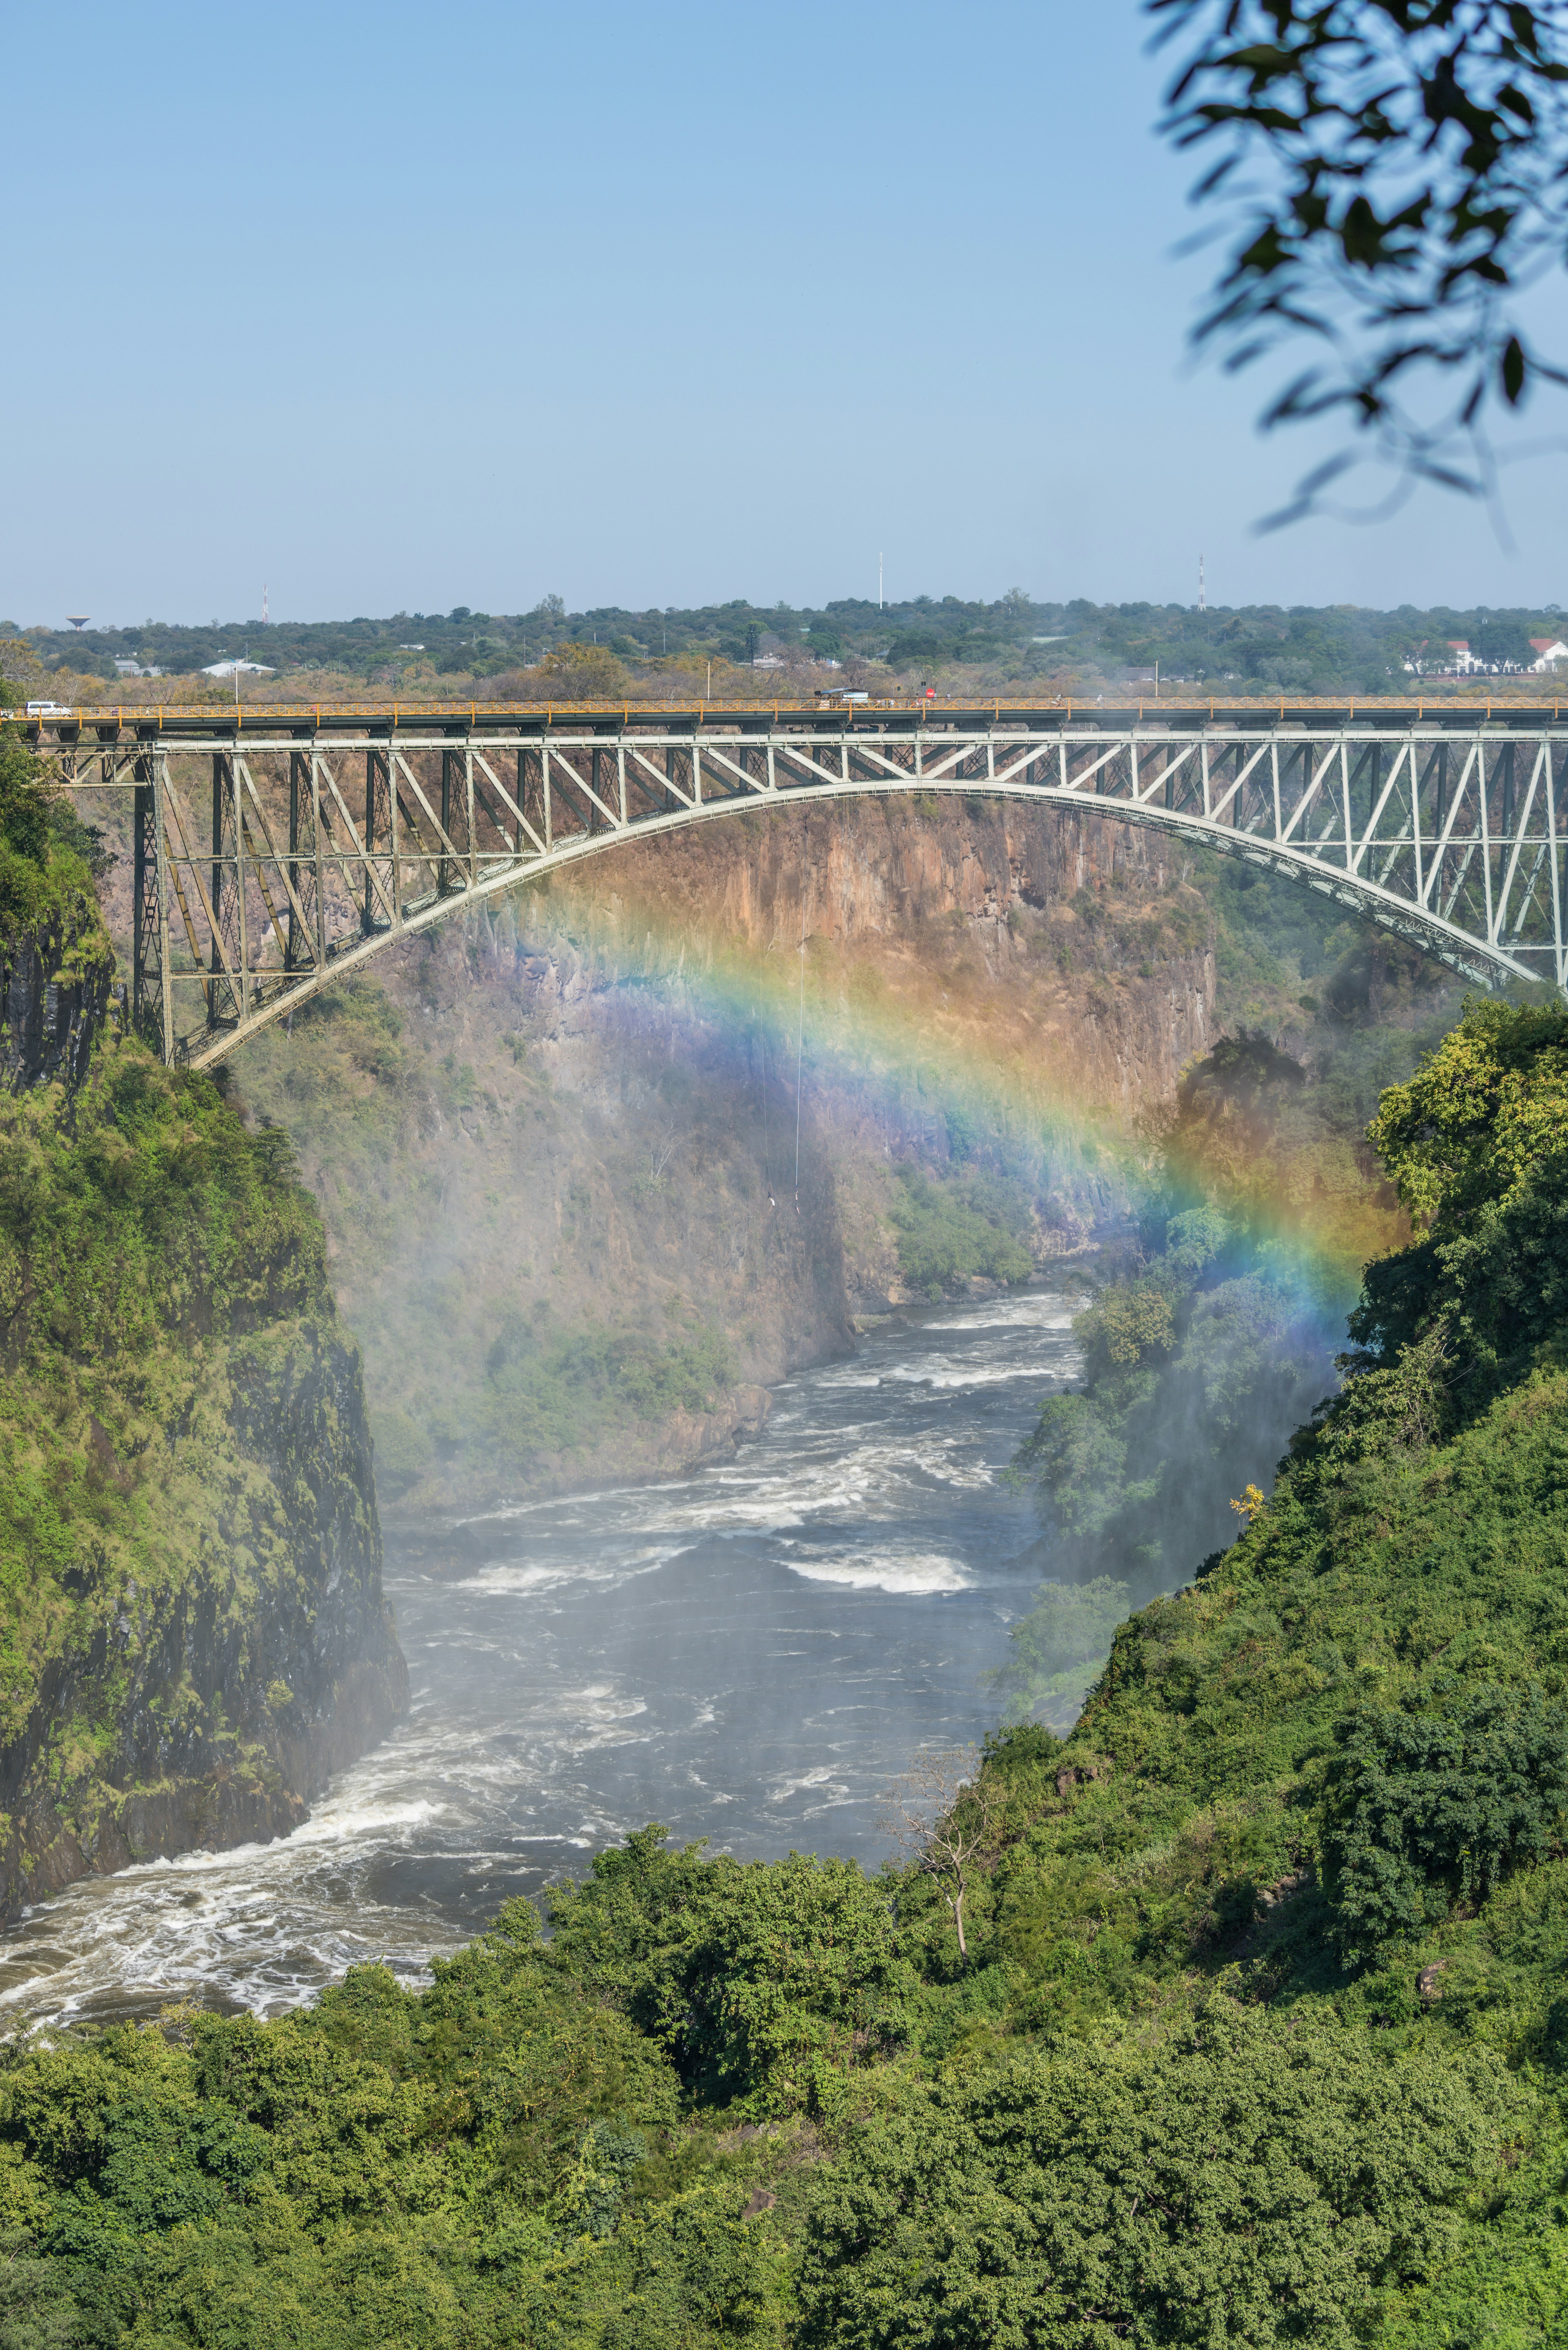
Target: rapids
[748,1653]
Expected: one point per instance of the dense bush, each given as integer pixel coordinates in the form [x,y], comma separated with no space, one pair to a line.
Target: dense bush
[1245,2184]
[1425,1811]
[761,1983]
[950,1230]
[1478,1144]
[49,860]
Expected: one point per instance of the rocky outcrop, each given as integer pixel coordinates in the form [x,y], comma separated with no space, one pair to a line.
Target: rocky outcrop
[55,978]
[205,1707]
[1083,934]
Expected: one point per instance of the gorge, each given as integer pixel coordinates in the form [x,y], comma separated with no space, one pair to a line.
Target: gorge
[553,1150]
[697,1507]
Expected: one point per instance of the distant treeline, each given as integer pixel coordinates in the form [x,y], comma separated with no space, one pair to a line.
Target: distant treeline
[1303,648]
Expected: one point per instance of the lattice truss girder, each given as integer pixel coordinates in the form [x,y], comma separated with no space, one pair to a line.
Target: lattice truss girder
[265,867]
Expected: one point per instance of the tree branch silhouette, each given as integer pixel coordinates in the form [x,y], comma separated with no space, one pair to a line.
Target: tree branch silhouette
[1391,178]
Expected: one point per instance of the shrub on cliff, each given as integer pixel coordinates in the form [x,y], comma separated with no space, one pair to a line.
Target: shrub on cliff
[1425,1810]
[47,858]
[157,1213]
[24,802]
[183,1463]
[949,1232]
[1476,1144]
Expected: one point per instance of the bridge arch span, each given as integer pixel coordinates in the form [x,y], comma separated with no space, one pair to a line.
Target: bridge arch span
[268,864]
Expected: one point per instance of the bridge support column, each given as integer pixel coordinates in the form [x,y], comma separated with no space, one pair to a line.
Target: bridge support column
[151,1016]
[225,997]
[298,782]
[444,869]
[378,825]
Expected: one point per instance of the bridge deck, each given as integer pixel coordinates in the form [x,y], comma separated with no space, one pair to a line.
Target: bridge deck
[171,722]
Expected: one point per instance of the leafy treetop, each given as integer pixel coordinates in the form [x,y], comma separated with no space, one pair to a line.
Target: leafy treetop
[1478,1114]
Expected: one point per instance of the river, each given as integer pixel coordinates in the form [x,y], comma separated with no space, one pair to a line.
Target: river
[748,1653]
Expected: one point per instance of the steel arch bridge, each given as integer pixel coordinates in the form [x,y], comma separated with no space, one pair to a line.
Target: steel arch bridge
[271,857]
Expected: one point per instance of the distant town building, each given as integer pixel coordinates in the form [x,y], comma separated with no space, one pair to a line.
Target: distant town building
[1453,658]
[134,669]
[1547,650]
[237,669]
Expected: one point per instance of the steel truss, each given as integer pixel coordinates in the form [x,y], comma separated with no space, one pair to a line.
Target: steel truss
[313,856]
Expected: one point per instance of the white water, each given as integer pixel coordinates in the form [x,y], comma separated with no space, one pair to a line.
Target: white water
[749,1654]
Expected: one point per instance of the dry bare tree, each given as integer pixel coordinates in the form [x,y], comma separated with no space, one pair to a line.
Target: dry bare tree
[662,1148]
[938,1814]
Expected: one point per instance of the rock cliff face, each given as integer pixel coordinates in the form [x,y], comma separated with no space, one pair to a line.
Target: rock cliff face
[54,980]
[574,1119]
[192,1628]
[1078,935]
[205,1706]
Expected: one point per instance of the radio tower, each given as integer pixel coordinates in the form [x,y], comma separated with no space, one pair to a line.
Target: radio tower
[1202,604]
[263,603]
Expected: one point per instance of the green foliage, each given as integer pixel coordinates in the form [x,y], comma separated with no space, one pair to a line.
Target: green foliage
[49,859]
[496,2160]
[764,1984]
[1425,1811]
[178,1442]
[1256,649]
[1057,1650]
[949,1231]
[25,799]
[1480,1113]
[1245,2184]
[1403,256]
[552,1392]
[36,2311]
[1475,1142]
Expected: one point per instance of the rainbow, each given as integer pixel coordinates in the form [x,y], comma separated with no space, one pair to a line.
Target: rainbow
[874,1033]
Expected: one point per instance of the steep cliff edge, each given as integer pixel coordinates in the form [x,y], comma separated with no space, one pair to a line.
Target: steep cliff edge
[192,1627]
[55,969]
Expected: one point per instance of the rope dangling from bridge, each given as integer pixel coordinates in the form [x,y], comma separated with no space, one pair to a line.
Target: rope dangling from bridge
[800,1026]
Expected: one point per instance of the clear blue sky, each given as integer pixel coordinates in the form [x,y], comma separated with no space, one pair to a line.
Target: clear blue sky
[399,308]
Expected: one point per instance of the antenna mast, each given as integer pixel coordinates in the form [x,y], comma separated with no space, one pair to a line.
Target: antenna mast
[263,604]
[1202,602]
[879,583]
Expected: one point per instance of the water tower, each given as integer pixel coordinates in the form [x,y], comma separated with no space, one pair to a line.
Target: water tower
[78,619]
